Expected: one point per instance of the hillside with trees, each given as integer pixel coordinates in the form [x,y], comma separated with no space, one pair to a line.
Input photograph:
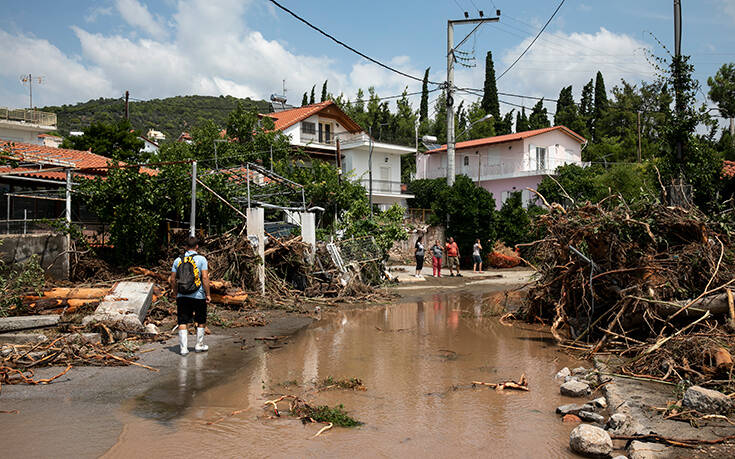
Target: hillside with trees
[170,115]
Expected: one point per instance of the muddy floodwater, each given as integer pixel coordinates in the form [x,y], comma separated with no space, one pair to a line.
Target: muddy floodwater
[409,355]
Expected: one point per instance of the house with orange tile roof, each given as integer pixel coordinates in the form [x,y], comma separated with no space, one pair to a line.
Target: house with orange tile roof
[33,174]
[327,133]
[507,163]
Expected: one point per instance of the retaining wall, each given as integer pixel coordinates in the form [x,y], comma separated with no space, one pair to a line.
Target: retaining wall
[50,248]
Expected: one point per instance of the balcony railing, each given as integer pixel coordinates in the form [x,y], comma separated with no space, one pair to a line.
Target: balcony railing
[382,186]
[28,116]
[345,137]
[508,169]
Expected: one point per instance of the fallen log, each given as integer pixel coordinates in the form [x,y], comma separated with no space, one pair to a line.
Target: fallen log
[522,384]
[69,293]
[238,299]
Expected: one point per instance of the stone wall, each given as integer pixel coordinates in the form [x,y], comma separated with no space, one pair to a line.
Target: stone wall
[402,251]
[18,248]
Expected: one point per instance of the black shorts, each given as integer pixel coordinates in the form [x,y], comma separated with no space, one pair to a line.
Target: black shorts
[186,308]
[419,262]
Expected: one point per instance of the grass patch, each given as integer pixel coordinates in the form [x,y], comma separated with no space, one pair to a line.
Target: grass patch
[336,415]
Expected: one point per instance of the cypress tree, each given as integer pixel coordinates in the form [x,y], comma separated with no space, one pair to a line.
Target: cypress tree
[600,105]
[566,109]
[522,121]
[539,117]
[424,107]
[506,124]
[311,97]
[305,100]
[324,91]
[587,106]
[490,102]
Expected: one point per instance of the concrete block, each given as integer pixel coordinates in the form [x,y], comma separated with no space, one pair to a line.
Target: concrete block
[127,304]
[8,324]
[256,232]
[21,338]
[308,232]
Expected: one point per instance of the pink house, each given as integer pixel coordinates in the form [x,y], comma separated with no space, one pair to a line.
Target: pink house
[507,163]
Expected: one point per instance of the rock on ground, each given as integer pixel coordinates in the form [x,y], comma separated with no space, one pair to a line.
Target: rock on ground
[575,388]
[562,375]
[570,418]
[707,401]
[599,402]
[589,416]
[571,408]
[590,441]
[642,450]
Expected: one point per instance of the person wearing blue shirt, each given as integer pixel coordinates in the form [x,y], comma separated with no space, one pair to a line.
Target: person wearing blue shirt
[192,305]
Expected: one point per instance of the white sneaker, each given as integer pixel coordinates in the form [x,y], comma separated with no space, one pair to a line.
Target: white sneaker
[200,346]
[183,342]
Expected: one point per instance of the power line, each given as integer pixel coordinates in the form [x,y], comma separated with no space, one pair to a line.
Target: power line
[532,42]
[345,45]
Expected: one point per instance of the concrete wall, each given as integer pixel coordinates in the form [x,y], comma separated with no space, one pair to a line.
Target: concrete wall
[18,248]
[403,251]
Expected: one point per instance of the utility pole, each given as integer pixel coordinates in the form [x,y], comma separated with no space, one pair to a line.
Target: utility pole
[127,109]
[639,136]
[193,214]
[450,84]
[677,70]
[370,170]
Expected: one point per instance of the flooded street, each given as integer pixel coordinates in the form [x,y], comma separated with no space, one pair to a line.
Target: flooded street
[409,355]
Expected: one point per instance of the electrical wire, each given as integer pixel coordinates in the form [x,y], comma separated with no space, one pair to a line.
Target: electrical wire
[532,42]
[345,45]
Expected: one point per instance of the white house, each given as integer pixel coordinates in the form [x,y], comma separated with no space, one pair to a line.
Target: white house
[25,125]
[325,132]
[149,146]
[507,163]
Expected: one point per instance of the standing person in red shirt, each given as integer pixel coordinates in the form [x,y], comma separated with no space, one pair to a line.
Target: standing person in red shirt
[453,257]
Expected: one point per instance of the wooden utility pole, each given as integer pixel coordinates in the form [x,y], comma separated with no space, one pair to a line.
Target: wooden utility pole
[450,85]
[639,136]
[127,110]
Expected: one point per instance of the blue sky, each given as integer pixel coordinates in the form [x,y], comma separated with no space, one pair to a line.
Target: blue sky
[245,48]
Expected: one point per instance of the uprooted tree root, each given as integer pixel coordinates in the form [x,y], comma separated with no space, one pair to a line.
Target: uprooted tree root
[642,281]
[17,366]
[306,413]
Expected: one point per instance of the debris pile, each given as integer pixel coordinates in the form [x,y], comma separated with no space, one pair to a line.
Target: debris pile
[648,282]
[18,361]
[503,256]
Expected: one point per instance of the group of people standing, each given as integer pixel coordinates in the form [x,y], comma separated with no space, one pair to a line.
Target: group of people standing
[437,253]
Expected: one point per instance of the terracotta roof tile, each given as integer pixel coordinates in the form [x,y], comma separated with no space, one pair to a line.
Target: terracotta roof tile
[286,118]
[509,138]
[92,163]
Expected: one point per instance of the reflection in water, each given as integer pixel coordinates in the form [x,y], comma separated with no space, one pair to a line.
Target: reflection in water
[409,356]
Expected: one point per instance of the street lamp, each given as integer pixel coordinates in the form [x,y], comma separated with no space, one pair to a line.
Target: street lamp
[484,118]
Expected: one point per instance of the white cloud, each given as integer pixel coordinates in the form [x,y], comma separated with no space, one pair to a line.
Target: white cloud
[96,12]
[728,6]
[66,79]
[208,50]
[560,59]
[137,15]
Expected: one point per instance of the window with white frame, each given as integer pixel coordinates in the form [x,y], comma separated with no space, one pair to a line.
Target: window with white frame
[540,158]
[466,160]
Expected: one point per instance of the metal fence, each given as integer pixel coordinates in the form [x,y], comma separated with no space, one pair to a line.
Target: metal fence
[28,116]
[359,250]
